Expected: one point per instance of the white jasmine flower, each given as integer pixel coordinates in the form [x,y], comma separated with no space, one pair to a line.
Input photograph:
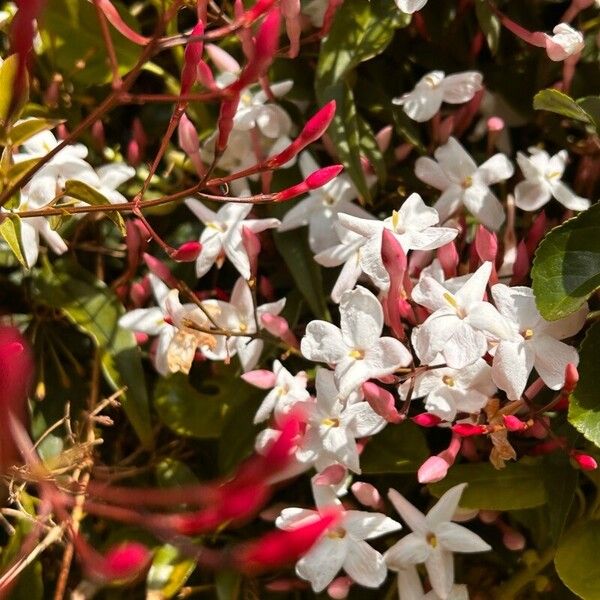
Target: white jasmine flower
[357,349]
[543,175]
[433,539]
[457,327]
[320,209]
[434,88]
[534,342]
[411,588]
[111,177]
[287,390]
[410,6]
[462,182]
[414,225]
[343,546]
[565,42]
[450,391]
[222,235]
[239,316]
[335,423]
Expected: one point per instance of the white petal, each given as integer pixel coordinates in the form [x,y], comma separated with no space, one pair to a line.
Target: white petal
[464,346]
[323,562]
[531,195]
[449,202]
[568,198]
[144,320]
[365,565]
[455,160]
[422,104]
[457,538]
[347,279]
[361,318]
[495,169]
[409,584]
[364,420]
[323,343]
[461,87]
[415,215]
[440,568]
[512,365]
[484,205]
[410,550]
[429,171]
[414,518]
[474,288]
[446,506]
[364,525]
[204,214]
[551,359]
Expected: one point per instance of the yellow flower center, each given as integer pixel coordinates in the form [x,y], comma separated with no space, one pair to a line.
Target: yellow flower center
[331,422]
[432,540]
[467,182]
[527,334]
[448,380]
[357,354]
[337,534]
[217,226]
[243,327]
[395,219]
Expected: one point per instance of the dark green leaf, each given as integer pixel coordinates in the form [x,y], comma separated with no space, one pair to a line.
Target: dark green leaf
[584,408]
[489,23]
[591,105]
[228,584]
[518,485]
[566,268]
[82,191]
[90,305]
[576,560]
[554,101]
[560,482]
[397,449]
[10,230]
[293,247]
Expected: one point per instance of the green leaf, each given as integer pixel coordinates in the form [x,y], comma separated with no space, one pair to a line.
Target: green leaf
[8,75]
[10,230]
[173,473]
[26,129]
[560,482]
[519,485]
[168,573]
[293,247]
[90,305]
[89,195]
[557,102]
[73,41]
[359,32]
[584,407]
[566,268]
[397,449]
[591,105]
[191,412]
[489,23]
[576,560]
[228,584]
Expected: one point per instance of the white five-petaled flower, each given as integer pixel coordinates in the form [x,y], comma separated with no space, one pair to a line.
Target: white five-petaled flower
[433,539]
[543,175]
[239,316]
[459,322]
[320,209]
[414,225]
[287,390]
[565,42]
[335,423]
[534,342]
[410,6]
[356,349]
[450,391]
[343,546]
[222,235]
[462,182]
[434,88]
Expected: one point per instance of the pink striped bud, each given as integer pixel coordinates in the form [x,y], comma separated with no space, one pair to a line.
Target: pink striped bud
[366,494]
[187,252]
[584,461]
[382,402]
[227,112]
[251,243]
[277,326]
[314,128]
[448,257]
[187,136]
[571,378]
[315,180]
[205,76]
[513,423]
[513,539]
[426,420]
[468,429]
[158,268]
[433,469]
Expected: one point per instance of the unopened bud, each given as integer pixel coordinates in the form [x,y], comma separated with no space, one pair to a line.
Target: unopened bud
[366,494]
[251,243]
[187,252]
[426,420]
[278,327]
[187,136]
[448,257]
[158,268]
[584,461]
[315,180]
[433,469]
[468,429]
[571,378]
[513,423]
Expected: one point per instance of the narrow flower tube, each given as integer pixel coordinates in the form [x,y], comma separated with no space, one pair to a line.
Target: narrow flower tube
[114,18]
[467,429]
[315,180]
[395,263]
[382,402]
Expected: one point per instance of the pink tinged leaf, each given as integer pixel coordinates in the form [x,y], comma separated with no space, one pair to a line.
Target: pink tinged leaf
[433,469]
[261,378]
[279,548]
[115,19]
[382,402]
[187,252]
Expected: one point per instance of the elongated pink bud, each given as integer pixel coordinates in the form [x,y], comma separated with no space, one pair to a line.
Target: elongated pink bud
[256,11]
[191,58]
[366,494]
[339,588]
[433,469]
[261,378]
[382,402]
[448,257]
[315,180]
[314,128]
[395,263]
[513,423]
[536,232]
[486,244]
[225,122]
[278,326]
[426,420]
[251,243]
[187,136]
[467,429]
[521,266]
[331,475]
[115,19]
[279,548]
[571,378]
[159,269]
[187,252]
[584,461]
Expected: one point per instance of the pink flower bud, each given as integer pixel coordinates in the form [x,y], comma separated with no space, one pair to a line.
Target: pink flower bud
[382,402]
[261,378]
[366,494]
[205,76]
[62,132]
[98,135]
[277,326]
[521,266]
[114,18]
[513,539]
[158,268]
[433,469]
[426,420]
[486,244]
[227,112]
[536,233]
[126,561]
[332,475]
[339,588]
[323,176]
[468,429]
[448,257]
[134,156]
[191,57]
[260,8]
[513,423]
[488,516]
[187,252]
[495,124]
[384,137]
[571,378]
[187,136]
[584,461]
[251,243]
[140,338]
[138,293]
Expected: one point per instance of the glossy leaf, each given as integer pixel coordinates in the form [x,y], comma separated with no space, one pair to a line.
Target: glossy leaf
[566,268]
[10,230]
[557,102]
[27,128]
[519,485]
[489,23]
